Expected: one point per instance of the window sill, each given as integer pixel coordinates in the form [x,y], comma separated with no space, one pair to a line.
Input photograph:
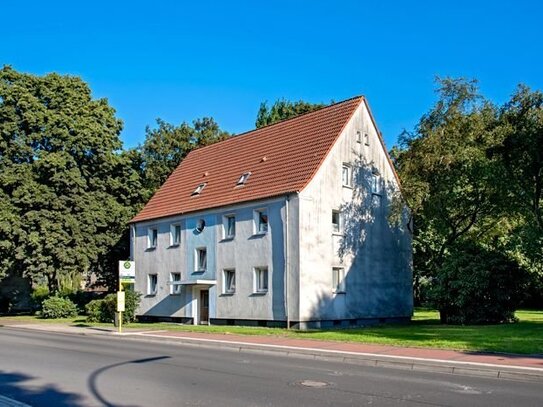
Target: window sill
[175,294]
[150,295]
[227,239]
[259,293]
[150,249]
[347,186]
[259,234]
[340,292]
[228,294]
[341,234]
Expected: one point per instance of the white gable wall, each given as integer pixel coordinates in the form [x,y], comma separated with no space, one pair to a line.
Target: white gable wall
[376,256]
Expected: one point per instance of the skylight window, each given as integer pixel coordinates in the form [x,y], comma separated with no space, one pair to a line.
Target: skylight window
[198,189]
[243,179]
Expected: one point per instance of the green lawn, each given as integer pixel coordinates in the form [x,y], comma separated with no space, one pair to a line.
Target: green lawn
[524,337]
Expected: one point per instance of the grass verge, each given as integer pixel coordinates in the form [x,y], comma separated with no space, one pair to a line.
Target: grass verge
[523,337]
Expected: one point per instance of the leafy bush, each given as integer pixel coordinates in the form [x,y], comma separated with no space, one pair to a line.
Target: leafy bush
[39,294]
[104,310]
[58,307]
[82,298]
[477,286]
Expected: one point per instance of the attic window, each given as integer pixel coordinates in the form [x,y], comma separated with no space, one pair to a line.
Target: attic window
[243,179]
[198,189]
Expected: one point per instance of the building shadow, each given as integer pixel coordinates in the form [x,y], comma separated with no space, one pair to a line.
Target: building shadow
[14,386]
[375,251]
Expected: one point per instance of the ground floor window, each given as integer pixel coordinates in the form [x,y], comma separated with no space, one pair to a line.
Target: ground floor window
[229,281]
[261,279]
[152,284]
[338,280]
[175,279]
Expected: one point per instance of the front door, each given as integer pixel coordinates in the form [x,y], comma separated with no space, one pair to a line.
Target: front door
[204,307]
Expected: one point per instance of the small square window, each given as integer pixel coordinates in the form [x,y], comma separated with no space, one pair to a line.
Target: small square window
[175,235]
[336,222]
[175,281]
[261,221]
[152,238]
[261,280]
[229,226]
[201,259]
[243,178]
[359,137]
[152,284]
[229,281]
[347,175]
[338,275]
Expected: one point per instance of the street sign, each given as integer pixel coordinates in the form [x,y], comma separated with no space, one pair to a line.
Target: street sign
[127,270]
[120,301]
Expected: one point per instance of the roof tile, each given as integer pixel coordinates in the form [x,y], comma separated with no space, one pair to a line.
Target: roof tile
[294,150]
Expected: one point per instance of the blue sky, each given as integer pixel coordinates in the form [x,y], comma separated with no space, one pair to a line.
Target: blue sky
[181,60]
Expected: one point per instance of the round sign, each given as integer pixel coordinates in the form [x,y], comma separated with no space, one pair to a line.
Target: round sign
[126,265]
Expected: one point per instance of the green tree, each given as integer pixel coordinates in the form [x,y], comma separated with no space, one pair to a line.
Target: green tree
[166,146]
[66,189]
[456,189]
[521,151]
[283,109]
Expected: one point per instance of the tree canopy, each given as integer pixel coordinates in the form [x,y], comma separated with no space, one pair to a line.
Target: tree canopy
[283,109]
[166,145]
[66,188]
[469,173]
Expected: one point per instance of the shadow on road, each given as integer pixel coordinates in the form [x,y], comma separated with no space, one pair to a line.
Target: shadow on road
[18,386]
[93,378]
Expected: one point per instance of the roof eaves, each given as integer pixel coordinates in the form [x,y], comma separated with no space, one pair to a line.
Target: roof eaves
[181,213]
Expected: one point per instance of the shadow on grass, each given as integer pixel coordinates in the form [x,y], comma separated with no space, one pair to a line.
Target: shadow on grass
[12,385]
[522,337]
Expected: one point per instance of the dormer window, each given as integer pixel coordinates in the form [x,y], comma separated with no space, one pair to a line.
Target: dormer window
[198,189]
[243,179]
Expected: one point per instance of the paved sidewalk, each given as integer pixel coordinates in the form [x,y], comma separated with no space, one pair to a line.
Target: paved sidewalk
[506,366]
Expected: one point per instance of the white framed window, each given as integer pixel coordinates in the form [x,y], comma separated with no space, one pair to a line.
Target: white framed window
[229,226]
[152,284]
[175,286]
[229,281]
[243,178]
[260,280]
[175,235]
[347,175]
[337,221]
[338,277]
[366,139]
[199,189]
[152,238]
[261,221]
[201,259]
[376,183]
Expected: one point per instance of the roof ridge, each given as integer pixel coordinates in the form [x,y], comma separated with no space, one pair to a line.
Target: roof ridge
[245,133]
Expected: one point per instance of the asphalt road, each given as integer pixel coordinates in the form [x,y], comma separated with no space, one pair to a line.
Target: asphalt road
[46,369]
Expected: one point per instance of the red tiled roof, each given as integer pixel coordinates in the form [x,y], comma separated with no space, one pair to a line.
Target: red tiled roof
[282,158]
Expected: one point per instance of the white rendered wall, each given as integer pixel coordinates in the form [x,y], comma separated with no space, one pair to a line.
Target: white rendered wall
[376,255]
